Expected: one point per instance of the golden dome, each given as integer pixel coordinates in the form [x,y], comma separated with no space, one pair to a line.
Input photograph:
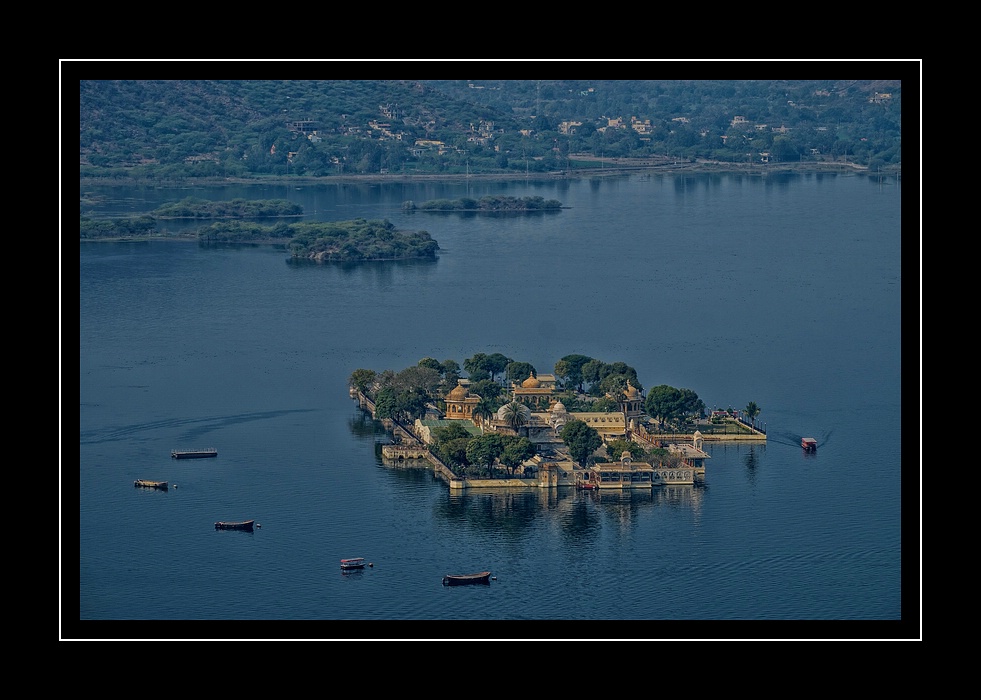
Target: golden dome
[459,392]
[531,382]
[631,391]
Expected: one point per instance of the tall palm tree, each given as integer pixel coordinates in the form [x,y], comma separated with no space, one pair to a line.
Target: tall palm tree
[751,411]
[483,411]
[515,415]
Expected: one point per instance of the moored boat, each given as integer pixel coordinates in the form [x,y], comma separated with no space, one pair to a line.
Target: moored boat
[466,579]
[352,564]
[194,454]
[147,484]
[246,525]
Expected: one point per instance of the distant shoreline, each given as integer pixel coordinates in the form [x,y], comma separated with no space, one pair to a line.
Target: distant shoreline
[616,167]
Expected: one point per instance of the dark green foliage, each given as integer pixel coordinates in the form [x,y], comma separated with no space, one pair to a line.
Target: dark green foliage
[569,370]
[116,228]
[581,439]
[490,203]
[671,405]
[454,452]
[431,363]
[362,379]
[192,208]
[616,447]
[453,431]
[400,404]
[174,129]
[605,405]
[241,232]
[520,371]
[486,388]
[359,240]
[484,450]
[516,451]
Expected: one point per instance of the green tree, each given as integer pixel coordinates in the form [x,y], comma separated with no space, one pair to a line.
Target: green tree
[614,385]
[664,403]
[516,415]
[519,371]
[453,431]
[581,439]
[482,451]
[455,451]
[362,379]
[386,405]
[400,404]
[605,405]
[476,363]
[616,447]
[486,388]
[448,367]
[691,405]
[484,410]
[752,411]
[516,451]
[423,379]
[479,375]
[569,370]
[496,363]
[431,363]
[592,372]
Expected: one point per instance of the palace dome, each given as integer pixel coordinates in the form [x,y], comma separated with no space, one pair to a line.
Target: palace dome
[631,391]
[531,382]
[459,393]
[502,412]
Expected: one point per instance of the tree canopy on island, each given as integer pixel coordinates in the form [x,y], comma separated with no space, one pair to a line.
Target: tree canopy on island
[359,240]
[490,203]
[194,208]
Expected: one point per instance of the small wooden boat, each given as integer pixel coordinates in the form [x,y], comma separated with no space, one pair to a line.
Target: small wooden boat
[246,525]
[352,564]
[147,484]
[466,579]
[194,454]
[809,444]
[587,486]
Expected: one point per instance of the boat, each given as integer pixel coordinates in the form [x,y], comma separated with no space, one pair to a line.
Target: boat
[466,579]
[809,444]
[352,564]
[246,525]
[194,454]
[147,484]
[587,485]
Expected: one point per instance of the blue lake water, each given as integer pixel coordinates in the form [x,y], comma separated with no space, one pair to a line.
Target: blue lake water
[783,290]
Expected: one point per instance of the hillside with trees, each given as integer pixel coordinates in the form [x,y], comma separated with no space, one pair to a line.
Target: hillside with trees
[177,129]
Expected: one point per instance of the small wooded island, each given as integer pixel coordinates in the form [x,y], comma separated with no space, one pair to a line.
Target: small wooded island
[489,204]
[357,240]
[194,208]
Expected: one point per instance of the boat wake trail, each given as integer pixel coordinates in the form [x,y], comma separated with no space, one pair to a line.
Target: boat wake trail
[793,439]
[193,427]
